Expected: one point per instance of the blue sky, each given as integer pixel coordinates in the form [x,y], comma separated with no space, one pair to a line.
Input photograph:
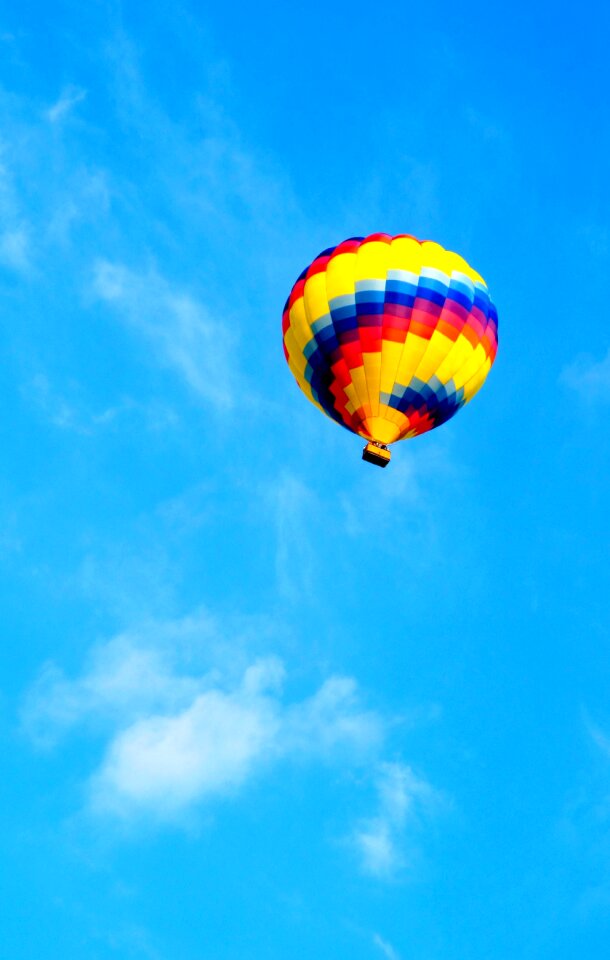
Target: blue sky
[260,699]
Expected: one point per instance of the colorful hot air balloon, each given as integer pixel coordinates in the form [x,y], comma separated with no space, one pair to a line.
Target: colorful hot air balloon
[389,336]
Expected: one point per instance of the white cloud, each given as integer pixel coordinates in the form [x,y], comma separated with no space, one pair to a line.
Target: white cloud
[178,718]
[412,487]
[15,249]
[178,732]
[166,762]
[224,188]
[180,328]
[66,103]
[55,408]
[292,503]
[385,947]
[589,378]
[377,847]
[189,510]
[599,737]
[122,681]
[188,191]
[381,840]
[86,197]
[332,719]
[70,412]
[48,189]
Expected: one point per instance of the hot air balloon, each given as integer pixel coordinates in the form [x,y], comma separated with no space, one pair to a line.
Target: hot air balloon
[389,336]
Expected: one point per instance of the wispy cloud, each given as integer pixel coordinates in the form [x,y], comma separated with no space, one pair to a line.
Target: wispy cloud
[15,249]
[186,191]
[385,947]
[85,198]
[189,510]
[66,102]
[181,330]
[415,486]
[49,191]
[589,378]
[132,579]
[69,411]
[54,408]
[382,841]
[292,502]
[599,736]
[580,853]
[15,236]
[176,737]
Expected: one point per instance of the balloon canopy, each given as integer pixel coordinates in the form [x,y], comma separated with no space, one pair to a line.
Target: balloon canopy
[389,336]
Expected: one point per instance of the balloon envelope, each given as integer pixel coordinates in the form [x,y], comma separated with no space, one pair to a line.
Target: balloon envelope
[389,336]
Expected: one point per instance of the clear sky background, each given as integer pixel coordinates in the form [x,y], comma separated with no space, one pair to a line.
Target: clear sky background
[261,700]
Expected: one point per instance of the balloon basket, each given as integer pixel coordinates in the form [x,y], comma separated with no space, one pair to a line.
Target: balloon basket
[376,453]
